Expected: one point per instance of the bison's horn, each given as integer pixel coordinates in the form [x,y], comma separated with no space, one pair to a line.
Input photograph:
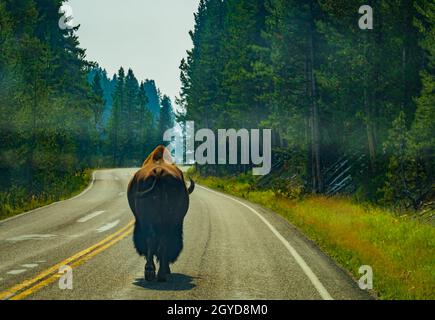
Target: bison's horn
[142,194]
[192,186]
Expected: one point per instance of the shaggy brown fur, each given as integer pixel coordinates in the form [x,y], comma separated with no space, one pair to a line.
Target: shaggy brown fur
[159,199]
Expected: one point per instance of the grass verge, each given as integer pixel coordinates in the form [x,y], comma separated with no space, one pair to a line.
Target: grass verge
[16,201]
[400,250]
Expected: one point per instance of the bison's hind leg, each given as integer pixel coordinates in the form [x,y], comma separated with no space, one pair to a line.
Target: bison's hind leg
[170,246]
[150,267]
[150,270]
[145,246]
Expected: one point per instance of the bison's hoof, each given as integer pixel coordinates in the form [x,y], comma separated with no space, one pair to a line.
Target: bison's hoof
[150,275]
[161,278]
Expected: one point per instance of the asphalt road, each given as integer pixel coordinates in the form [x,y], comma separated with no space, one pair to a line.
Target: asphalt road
[233,250]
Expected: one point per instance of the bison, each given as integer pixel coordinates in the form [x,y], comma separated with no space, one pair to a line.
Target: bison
[159,199]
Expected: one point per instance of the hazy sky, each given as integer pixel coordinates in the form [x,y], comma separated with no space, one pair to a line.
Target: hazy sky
[149,36]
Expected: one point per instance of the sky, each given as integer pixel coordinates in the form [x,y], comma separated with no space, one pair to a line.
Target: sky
[149,36]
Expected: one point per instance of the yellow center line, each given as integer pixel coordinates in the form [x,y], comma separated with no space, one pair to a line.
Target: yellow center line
[74,260]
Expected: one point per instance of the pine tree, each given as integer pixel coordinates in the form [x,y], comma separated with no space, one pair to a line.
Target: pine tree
[115,123]
[201,92]
[145,128]
[166,120]
[99,100]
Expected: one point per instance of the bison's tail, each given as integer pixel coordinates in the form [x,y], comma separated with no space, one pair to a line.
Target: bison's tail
[143,194]
[192,186]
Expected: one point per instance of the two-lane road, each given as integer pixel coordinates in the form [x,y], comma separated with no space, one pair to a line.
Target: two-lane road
[232,250]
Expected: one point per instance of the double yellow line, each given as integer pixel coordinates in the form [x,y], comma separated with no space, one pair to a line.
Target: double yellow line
[29,286]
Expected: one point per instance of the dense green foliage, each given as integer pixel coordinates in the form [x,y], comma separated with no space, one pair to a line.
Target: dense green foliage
[47,124]
[55,122]
[108,86]
[132,130]
[129,125]
[331,92]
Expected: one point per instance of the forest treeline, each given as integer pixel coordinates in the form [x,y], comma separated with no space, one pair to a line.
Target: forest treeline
[130,117]
[60,114]
[351,110]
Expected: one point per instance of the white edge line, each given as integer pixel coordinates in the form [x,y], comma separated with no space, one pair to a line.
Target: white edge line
[301,262]
[52,204]
[86,190]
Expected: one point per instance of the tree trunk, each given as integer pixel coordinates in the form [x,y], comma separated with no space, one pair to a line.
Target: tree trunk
[369,129]
[315,131]
[30,168]
[368,99]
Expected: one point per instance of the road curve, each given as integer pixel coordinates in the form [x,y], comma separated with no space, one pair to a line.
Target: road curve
[233,250]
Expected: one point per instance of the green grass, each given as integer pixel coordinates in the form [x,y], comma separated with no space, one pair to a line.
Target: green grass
[400,250]
[16,201]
